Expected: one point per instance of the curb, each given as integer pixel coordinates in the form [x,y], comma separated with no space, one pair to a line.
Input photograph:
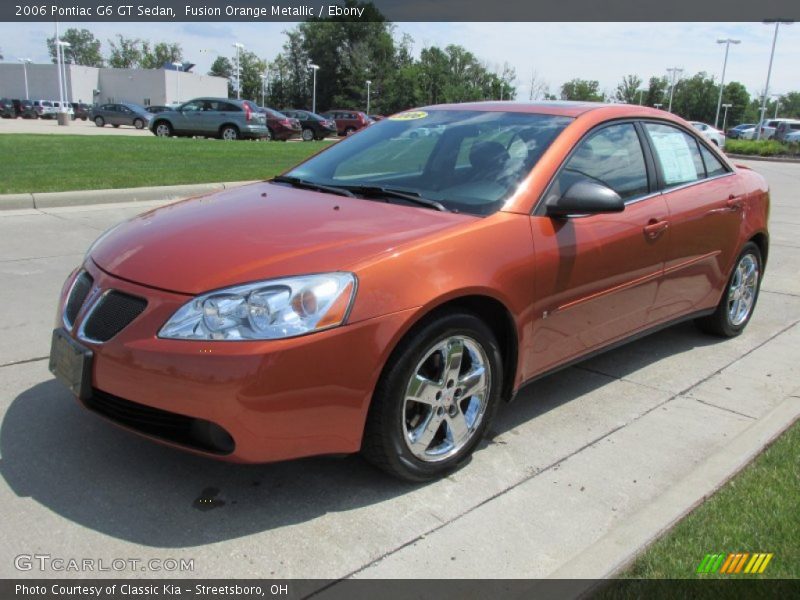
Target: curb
[41,200]
[779,159]
[616,550]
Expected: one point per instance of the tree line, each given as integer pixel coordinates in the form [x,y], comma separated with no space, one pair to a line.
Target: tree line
[125,53]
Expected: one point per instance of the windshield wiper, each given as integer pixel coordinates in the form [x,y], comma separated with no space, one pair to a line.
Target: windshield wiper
[310,185]
[374,190]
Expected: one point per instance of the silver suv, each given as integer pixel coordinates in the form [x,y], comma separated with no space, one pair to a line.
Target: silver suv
[212,117]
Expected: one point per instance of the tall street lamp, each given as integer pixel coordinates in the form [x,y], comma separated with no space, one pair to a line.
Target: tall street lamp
[727,42]
[314,68]
[777,103]
[725,117]
[264,78]
[778,23]
[369,83]
[238,47]
[178,67]
[675,71]
[641,91]
[25,62]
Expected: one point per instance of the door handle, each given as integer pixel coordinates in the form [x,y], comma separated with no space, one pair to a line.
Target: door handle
[655,228]
[734,202]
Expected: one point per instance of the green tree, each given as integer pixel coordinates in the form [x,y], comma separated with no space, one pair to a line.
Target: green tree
[222,67]
[657,92]
[160,54]
[581,89]
[695,98]
[83,49]
[628,89]
[736,95]
[790,105]
[126,53]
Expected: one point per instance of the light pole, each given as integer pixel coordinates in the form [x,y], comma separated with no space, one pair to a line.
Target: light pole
[777,103]
[263,84]
[641,91]
[778,23]
[725,117]
[369,83]
[178,67]
[727,42]
[25,62]
[314,68]
[675,71]
[238,47]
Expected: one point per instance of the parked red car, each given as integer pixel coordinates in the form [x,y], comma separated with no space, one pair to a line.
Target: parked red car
[388,294]
[280,126]
[348,121]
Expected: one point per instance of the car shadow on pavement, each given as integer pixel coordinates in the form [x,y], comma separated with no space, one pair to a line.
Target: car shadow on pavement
[82,468]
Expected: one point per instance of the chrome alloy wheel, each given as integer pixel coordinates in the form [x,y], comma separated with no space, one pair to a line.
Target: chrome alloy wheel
[163,130]
[742,290]
[446,398]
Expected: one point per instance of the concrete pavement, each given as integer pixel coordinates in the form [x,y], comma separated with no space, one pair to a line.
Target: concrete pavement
[586,460]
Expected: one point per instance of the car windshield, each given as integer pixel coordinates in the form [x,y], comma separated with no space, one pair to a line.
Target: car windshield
[467,161]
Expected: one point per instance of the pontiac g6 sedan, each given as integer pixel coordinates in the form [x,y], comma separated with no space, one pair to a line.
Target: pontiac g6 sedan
[386,295]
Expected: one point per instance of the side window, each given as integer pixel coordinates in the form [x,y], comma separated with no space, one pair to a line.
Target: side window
[192,106]
[677,154]
[613,157]
[713,165]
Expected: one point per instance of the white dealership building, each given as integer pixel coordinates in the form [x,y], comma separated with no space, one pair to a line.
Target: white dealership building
[101,85]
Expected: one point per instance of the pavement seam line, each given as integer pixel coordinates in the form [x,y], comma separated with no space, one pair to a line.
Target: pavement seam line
[730,410]
[549,467]
[24,361]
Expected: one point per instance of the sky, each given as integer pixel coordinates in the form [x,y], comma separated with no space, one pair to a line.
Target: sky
[557,52]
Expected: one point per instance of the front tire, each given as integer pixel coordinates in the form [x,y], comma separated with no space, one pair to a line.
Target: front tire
[738,301]
[435,399]
[163,129]
[99,121]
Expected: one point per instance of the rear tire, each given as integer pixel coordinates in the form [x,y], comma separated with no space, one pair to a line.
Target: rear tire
[349,131]
[138,123]
[229,133]
[99,121]
[739,299]
[435,399]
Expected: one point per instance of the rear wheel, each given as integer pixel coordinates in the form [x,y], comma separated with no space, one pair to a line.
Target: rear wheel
[739,298]
[163,129]
[435,399]
[308,134]
[138,123]
[350,131]
[99,121]
[270,136]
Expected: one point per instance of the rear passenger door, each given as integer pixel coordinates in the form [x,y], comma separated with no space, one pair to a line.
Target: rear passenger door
[705,213]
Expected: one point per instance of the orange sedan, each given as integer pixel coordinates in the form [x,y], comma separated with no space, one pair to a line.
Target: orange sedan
[388,294]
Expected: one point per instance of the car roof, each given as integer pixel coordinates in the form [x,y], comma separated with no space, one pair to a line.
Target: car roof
[565,108]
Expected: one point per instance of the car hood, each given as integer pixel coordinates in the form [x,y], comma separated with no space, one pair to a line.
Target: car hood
[258,231]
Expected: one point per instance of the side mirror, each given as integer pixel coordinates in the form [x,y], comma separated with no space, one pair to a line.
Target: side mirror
[585,197]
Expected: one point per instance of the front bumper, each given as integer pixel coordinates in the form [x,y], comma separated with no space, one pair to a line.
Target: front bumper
[278,399]
[286,134]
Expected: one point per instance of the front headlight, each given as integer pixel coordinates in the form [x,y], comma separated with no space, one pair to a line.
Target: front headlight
[265,310]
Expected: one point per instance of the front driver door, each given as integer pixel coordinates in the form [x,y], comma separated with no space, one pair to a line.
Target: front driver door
[596,276]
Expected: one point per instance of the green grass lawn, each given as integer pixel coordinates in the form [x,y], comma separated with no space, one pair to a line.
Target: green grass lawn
[757,511]
[55,163]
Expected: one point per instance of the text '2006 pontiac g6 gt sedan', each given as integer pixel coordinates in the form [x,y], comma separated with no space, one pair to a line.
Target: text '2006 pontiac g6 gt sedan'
[388,294]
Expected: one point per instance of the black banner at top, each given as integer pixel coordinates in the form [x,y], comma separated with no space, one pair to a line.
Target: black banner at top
[400,10]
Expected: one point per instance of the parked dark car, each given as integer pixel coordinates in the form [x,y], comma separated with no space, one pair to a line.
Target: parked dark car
[347,121]
[7,109]
[280,126]
[315,127]
[123,113]
[735,133]
[224,118]
[25,109]
[81,110]
[158,109]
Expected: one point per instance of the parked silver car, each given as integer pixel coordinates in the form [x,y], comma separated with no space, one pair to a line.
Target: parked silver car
[212,117]
[121,113]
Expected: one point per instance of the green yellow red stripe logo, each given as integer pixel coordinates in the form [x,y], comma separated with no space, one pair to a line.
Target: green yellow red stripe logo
[735,562]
